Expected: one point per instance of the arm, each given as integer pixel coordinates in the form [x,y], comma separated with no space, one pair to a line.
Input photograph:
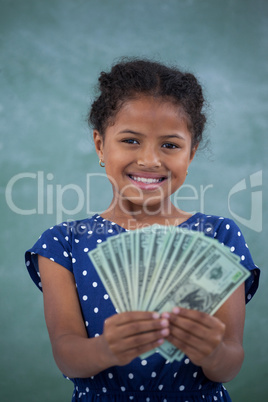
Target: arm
[213,342]
[125,335]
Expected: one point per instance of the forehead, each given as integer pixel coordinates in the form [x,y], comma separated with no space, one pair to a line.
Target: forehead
[147,109]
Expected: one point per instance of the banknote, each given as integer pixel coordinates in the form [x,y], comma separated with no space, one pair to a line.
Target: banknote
[98,262]
[182,260]
[127,246]
[160,267]
[159,239]
[141,249]
[174,260]
[116,251]
[205,286]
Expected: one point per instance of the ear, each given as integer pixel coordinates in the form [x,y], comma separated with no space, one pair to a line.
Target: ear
[193,151]
[98,141]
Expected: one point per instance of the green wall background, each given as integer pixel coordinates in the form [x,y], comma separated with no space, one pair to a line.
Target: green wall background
[51,53]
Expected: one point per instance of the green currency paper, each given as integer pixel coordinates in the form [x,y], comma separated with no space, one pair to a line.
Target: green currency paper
[160,267]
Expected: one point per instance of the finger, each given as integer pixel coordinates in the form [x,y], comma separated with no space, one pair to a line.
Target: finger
[138,342]
[195,338]
[131,316]
[145,347]
[185,317]
[191,331]
[196,352]
[146,338]
[126,356]
[186,328]
[125,350]
[193,315]
[205,340]
[130,329]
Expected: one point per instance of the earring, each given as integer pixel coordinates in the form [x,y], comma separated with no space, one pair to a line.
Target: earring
[101,163]
[187,173]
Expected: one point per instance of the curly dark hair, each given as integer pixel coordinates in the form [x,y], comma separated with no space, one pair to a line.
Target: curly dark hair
[131,78]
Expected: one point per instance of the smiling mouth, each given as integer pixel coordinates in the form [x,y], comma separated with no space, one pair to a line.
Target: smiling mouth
[147,180]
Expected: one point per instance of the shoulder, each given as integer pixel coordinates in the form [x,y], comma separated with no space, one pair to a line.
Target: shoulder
[57,243]
[70,230]
[211,225]
[227,232]
[60,242]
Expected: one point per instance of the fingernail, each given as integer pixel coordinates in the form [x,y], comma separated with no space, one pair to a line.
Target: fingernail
[165,332]
[176,310]
[156,315]
[164,323]
[165,315]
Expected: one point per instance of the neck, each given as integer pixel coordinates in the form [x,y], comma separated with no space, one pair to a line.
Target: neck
[134,217]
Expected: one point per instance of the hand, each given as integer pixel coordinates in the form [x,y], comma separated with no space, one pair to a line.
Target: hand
[195,333]
[129,334]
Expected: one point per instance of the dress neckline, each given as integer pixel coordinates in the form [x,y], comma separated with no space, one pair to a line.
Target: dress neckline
[184,224]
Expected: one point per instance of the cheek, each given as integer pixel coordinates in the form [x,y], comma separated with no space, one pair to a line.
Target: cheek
[180,164]
[114,168]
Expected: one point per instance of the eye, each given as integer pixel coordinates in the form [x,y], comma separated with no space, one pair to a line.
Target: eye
[169,145]
[130,141]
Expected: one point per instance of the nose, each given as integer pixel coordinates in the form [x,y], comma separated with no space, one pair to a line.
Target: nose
[148,157]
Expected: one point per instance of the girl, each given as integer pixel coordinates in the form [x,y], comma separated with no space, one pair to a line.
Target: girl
[148,123]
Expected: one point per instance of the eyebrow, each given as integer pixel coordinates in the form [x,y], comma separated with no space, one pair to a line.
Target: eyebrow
[179,136]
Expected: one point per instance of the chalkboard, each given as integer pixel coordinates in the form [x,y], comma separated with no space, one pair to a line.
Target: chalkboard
[51,54]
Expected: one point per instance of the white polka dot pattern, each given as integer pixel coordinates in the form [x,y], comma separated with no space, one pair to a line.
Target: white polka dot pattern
[150,379]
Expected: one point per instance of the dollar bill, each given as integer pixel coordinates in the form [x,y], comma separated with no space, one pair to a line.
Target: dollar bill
[99,265]
[159,239]
[192,249]
[113,271]
[176,245]
[127,247]
[141,249]
[161,267]
[213,277]
[116,251]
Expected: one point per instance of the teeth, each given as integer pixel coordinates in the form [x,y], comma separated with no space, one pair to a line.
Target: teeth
[145,180]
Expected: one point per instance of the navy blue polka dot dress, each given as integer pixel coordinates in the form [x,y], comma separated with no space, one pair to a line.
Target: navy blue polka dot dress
[153,379]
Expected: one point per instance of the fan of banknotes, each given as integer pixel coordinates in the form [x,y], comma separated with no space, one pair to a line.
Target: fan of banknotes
[159,267]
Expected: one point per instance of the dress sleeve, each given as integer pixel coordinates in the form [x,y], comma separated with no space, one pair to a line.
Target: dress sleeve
[55,244]
[231,236]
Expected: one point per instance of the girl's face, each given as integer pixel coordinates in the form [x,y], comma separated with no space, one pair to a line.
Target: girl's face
[146,152]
